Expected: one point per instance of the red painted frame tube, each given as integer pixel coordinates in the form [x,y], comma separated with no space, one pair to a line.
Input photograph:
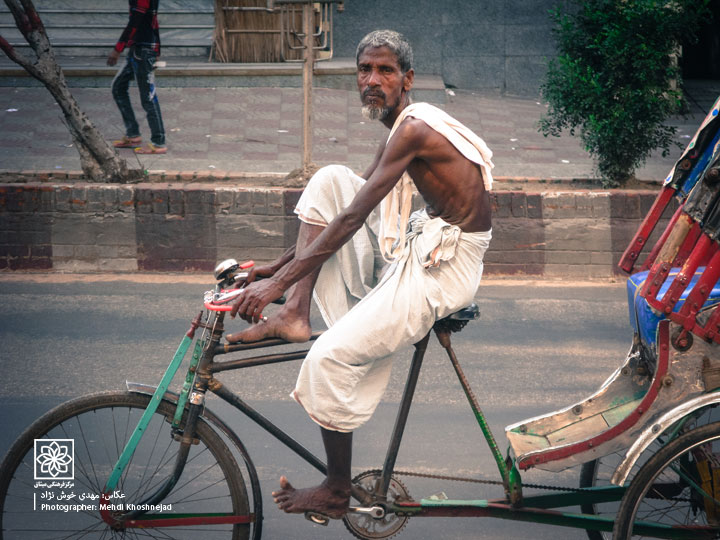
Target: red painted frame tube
[155,521]
[647,264]
[627,261]
[654,280]
[711,330]
[704,247]
[660,270]
[688,245]
[699,294]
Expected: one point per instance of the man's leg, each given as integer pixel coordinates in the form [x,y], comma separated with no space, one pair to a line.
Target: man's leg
[145,75]
[292,321]
[120,94]
[332,496]
[344,278]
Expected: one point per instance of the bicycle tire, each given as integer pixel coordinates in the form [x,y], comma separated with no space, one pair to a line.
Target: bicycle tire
[599,471]
[99,424]
[664,493]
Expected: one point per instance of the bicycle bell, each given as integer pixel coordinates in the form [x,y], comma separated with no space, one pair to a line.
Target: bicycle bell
[225,268]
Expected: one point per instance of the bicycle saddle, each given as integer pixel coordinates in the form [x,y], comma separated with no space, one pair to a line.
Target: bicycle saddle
[469,313]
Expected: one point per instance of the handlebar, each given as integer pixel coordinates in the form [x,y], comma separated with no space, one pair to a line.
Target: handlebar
[229,272]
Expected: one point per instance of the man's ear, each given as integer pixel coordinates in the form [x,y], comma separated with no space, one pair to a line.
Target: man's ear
[408,79]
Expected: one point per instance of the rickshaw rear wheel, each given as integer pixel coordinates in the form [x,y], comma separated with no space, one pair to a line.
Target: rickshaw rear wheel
[678,487]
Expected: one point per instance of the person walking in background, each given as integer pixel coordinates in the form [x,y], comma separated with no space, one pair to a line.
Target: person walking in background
[142,39]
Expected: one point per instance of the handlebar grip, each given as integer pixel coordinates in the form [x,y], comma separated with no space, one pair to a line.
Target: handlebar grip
[243,275]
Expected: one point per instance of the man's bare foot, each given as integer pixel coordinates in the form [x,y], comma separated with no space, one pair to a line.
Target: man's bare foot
[323,499]
[280,325]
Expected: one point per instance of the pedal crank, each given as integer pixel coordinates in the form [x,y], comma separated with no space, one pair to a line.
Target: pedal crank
[376,520]
[377,512]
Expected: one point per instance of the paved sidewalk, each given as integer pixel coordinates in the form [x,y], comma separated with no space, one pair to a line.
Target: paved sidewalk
[251,130]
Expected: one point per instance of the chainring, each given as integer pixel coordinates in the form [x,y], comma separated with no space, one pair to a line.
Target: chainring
[366,527]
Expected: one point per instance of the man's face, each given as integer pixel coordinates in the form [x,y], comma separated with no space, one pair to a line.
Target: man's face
[381,82]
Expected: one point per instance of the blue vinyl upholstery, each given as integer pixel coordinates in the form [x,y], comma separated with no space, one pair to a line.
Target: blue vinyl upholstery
[642,317]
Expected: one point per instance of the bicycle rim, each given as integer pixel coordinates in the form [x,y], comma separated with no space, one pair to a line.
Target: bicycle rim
[668,491]
[98,426]
[599,472]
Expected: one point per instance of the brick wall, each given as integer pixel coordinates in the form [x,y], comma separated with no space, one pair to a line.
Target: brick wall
[574,234]
[160,227]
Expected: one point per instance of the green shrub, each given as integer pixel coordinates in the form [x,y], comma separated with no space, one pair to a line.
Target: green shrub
[615,78]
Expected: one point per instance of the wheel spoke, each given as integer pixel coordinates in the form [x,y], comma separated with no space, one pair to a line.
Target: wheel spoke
[666,489]
[100,425]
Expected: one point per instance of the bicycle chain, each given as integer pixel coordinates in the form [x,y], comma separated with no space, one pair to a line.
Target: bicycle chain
[480,481]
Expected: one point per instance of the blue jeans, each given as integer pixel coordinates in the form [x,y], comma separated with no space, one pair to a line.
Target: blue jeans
[140,65]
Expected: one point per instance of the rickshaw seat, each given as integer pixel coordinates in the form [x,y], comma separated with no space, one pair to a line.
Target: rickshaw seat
[643,318]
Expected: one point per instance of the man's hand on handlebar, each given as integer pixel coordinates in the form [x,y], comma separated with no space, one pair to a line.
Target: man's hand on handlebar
[256,273]
[256,296]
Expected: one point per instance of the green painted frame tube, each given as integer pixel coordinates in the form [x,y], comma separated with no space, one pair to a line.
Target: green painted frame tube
[503,468]
[189,377]
[501,510]
[132,443]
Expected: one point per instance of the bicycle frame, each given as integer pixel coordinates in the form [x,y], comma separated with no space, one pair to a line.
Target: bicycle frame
[200,378]
[201,372]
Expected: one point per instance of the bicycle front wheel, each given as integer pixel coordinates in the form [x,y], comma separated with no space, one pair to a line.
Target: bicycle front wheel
[676,494]
[51,491]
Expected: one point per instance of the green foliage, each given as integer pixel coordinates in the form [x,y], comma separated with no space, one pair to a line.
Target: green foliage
[613,78]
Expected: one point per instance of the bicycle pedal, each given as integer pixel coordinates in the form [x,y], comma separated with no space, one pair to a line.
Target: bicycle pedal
[317,518]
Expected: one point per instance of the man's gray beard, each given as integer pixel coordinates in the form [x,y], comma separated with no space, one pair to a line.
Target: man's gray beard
[375,113]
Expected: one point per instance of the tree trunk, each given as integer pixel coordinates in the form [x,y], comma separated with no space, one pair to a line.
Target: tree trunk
[99,161]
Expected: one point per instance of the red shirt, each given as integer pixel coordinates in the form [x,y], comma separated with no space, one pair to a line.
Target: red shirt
[142,28]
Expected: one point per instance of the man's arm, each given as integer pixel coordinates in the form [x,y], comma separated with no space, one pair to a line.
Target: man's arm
[136,17]
[271,269]
[400,151]
[376,160]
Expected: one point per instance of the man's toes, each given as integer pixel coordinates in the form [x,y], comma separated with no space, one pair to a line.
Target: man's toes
[232,338]
[249,335]
[285,484]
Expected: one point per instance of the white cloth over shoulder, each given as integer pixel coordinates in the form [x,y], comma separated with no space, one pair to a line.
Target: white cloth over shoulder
[399,201]
[347,369]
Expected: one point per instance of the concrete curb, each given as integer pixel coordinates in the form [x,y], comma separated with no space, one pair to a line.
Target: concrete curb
[164,226]
[279,179]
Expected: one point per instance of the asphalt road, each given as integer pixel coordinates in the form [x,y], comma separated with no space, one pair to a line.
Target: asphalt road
[538,346]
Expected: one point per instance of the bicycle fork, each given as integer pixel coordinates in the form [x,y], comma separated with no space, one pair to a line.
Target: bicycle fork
[199,385]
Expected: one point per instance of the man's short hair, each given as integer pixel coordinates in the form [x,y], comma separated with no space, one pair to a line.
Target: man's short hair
[394,41]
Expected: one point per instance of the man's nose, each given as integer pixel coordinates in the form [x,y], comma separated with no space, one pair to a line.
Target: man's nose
[373,78]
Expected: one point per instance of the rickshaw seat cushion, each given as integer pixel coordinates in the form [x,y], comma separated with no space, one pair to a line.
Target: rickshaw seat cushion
[643,319]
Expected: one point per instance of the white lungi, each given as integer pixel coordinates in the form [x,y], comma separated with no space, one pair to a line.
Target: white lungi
[347,369]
